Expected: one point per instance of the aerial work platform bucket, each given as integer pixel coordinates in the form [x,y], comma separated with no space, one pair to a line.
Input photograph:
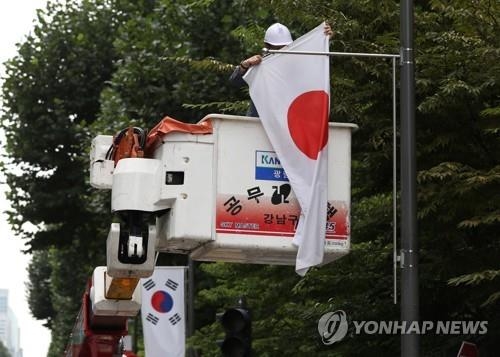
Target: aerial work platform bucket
[224,196]
[239,206]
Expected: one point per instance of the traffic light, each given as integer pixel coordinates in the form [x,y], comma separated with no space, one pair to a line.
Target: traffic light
[238,327]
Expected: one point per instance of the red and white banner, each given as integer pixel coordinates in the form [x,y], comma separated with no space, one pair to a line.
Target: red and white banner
[263,218]
[292,95]
[163,312]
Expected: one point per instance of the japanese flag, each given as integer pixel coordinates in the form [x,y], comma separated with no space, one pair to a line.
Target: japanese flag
[163,312]
[292,95]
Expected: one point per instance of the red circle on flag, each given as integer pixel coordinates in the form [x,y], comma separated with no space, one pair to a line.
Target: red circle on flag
[308,122]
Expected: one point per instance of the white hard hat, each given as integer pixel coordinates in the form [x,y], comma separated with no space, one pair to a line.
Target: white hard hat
[278,35]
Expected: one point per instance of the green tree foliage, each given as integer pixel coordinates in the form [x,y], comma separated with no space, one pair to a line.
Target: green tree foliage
[458,128]
[360,283]
[47,104]
[3,350]
[168,66]
[99,66]
[457,122]
[50,95]
[39,288]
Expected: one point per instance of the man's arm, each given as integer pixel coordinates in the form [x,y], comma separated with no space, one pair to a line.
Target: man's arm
[236,77]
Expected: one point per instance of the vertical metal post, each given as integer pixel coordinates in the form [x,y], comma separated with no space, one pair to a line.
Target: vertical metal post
[394,187]
[190,304]
[410,344]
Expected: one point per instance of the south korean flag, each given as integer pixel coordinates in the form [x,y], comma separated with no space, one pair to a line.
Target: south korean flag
[163,312]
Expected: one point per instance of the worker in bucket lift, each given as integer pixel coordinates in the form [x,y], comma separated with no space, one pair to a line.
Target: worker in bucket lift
[277,36]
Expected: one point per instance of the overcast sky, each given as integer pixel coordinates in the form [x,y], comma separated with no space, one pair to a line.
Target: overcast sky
[16,20]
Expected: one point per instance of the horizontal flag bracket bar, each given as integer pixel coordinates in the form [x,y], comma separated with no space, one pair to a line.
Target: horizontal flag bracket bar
[340,54]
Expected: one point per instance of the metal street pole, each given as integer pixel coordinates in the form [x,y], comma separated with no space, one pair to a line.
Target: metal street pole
[190,305]
[410,344]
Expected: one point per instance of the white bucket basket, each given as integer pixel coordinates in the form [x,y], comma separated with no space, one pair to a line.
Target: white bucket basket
[230,198]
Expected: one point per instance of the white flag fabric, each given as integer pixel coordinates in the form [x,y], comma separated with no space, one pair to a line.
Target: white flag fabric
[163,312]
[292,96]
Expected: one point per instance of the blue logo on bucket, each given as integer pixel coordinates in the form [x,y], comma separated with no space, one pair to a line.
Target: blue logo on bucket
[268,167]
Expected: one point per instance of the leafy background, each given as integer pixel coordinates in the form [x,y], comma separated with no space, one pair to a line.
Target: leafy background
[98,66]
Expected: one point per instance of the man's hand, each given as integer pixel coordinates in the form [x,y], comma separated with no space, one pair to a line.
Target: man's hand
[249,62]
[252,61]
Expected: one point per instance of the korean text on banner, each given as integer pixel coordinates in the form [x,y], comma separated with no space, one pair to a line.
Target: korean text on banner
[292,96]
[163,312]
